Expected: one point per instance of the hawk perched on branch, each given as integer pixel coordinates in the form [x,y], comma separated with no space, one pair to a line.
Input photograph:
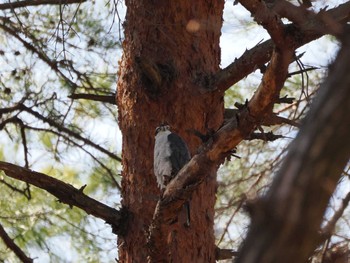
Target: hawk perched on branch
[170,155]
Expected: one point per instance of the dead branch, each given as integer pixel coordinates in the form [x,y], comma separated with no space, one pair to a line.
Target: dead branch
[306,19]
[274,119]
[63,132]
[328,229]
[259,55]
[266,136]
[285,99]
[11,29]
[26,3]
[287,219]
[12,245]
[268,19]
[336,253]
[222,254]
[65,193]
[69,132]
[302,71]
[270,120]
[94,97]
[216,149]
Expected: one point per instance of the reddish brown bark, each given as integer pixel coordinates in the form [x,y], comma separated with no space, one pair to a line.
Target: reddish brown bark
[167,62]
[169,46]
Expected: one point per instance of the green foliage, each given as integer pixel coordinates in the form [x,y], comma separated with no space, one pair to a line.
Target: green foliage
[233,95]
[47,53]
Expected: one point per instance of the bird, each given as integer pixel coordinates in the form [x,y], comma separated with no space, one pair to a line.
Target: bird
[170,155]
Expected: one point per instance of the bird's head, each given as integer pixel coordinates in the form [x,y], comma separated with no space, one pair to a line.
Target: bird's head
[162,128]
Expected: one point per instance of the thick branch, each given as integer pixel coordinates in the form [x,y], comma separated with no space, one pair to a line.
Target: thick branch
[66,193]
[221,144]
[267,18]
[12,245]
[288,218]
[261,54]
[273,80]
[181,187]
[26,3]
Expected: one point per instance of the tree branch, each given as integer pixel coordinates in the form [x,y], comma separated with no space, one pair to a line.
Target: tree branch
[68,136]
[267,94]
[328,229]
[288,218]
[66,193]
[268,19]
[270,120]
[222,254]
[268,136]
[69,132]
[12,245]
[307,20]
[102,98]
[214,152]
[26,3]
[11,29]
[223,141]
[261,54]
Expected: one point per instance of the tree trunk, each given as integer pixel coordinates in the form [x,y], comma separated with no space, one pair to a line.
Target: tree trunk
[169,47]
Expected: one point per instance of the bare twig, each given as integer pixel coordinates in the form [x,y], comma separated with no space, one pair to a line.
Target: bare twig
[268,136]
[222,254]
[328,229]
[288,217]
[57,126]
[306,19]
[69,132]
[10,29]
[68,137]
[66,193]
[26,3]
[270,120]
[268,19]
[13,188]
[285,99]
[109,172]
[25,153]
[12,245]
[259,55]
[102,98]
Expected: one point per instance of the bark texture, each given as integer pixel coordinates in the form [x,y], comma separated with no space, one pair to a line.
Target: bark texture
[169,46]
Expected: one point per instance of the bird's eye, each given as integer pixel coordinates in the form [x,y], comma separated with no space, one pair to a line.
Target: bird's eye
[162,127]
[158,129]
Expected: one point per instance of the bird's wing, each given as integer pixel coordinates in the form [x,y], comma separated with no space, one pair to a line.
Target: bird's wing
[180,154]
